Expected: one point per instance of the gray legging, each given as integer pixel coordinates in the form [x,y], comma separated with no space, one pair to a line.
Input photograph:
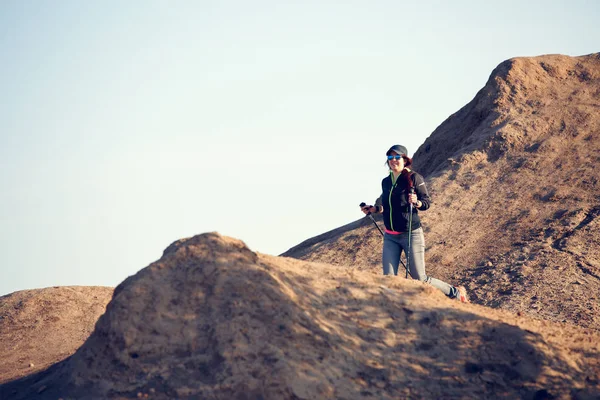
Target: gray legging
[393,245]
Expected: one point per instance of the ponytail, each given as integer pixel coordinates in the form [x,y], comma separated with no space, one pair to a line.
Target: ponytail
[405,179]
[405,175]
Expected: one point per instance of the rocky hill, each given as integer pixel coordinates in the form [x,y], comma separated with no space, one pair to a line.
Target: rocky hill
[514,179]
[213,320]
[40,327]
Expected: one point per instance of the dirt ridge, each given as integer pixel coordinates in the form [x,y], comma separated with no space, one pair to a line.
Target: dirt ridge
[233,324]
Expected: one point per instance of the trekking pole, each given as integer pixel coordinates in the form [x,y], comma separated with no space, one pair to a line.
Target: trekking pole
[410,211]
[380,231]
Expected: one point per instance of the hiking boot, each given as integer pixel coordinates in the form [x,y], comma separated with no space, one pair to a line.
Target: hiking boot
[462,294]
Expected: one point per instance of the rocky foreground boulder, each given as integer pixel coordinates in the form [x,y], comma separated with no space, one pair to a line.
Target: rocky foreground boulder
[213,320]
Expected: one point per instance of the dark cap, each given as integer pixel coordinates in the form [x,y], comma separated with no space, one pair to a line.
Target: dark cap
[398,149]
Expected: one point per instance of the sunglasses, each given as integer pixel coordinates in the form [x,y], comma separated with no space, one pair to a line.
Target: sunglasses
[396,157]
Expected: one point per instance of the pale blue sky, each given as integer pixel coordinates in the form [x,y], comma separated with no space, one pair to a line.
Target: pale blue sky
[126,125]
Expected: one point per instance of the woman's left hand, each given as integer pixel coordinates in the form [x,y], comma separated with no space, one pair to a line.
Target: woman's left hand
[412,198]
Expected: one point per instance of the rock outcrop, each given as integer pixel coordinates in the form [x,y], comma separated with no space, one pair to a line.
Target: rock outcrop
[212,319]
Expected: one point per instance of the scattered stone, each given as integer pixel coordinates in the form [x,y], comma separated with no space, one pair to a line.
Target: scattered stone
[543,394]
[473,368]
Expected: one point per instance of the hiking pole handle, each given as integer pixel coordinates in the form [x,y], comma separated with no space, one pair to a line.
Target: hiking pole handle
[411,191]
[361,205]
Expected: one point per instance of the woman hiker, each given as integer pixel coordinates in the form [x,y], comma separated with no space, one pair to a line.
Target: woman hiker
[400,189]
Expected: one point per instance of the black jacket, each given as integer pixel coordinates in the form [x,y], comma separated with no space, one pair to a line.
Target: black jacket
[394,199]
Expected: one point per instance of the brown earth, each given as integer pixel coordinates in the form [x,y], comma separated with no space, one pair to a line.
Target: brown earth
[213,320]
[41,327]
[514,179]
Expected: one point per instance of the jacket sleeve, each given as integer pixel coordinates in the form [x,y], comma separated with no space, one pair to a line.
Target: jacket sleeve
[422,193]
[378,201]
